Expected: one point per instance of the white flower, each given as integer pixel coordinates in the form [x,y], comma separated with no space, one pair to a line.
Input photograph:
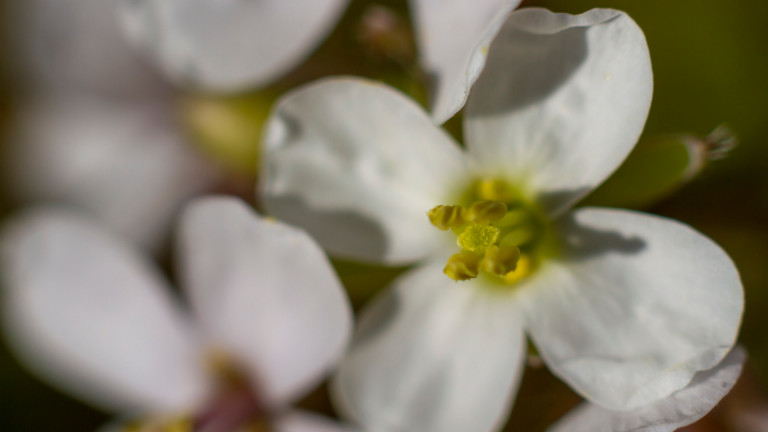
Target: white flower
[227,45]
[100,130]
[625,307]
[95,318]
[677,410]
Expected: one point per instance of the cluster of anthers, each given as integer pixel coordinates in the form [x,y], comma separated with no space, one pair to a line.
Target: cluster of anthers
[497,231]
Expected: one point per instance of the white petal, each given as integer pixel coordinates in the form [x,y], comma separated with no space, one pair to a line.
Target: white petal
[561,102]
[304,421]
[433,355]
[453,38]
[74,44]
[127,164]
[634,306]
[94,318]
[667,415]
[228,44]
[358,165]
[266,293]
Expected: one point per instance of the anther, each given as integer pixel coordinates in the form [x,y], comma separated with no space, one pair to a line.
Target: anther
[524,268]
[446,217]
[495,190]
[462,266]
[485,211]
[500,260]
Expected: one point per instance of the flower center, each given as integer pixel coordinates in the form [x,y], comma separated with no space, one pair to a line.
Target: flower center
[500,234]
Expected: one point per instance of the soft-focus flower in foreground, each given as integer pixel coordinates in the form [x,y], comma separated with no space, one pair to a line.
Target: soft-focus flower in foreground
[625,307]
[97,319]
[100,130]
[679,409]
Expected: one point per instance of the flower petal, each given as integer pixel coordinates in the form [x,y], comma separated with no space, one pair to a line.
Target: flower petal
[266,293]
[126,164]
[433,355]
[456,58]
[667,415]
[228,45]
[304,421]
[74,44]
[358,165]
[96,319]
[561,102]
[634,306]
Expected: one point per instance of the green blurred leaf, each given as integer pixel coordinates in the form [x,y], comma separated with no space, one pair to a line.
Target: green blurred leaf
[658,166]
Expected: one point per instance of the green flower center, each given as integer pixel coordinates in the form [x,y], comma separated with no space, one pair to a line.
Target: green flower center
[500,233]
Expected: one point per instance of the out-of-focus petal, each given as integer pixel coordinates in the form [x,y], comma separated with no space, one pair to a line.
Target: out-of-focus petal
[667,415]
[228,45]
[127,164]
[304,421]
[266,294]
[74,45]
[633,307]
[94,318]
[561,102]
[453,38]
[358,165]
[431,355]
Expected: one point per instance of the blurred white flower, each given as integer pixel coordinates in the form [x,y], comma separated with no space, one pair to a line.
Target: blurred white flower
[679,409]
[625,307]
[228,45]
[100,130]
[268,317]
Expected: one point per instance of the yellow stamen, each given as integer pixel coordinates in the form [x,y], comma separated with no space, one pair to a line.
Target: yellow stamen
[462,266]
[524,268]
[446,217]
[485,211]
[495,190]
[500,260]
[477,238]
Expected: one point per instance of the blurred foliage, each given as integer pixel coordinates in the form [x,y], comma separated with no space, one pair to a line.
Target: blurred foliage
[658,166]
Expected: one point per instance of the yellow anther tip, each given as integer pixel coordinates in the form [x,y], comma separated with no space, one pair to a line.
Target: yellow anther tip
[445,217]
[524,268]
[462,267]
[486,211]
[494,189]
[500,260]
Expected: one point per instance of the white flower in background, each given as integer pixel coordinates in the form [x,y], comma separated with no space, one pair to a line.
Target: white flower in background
[228,44]
[268,317]
[623,306]
[100,130]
